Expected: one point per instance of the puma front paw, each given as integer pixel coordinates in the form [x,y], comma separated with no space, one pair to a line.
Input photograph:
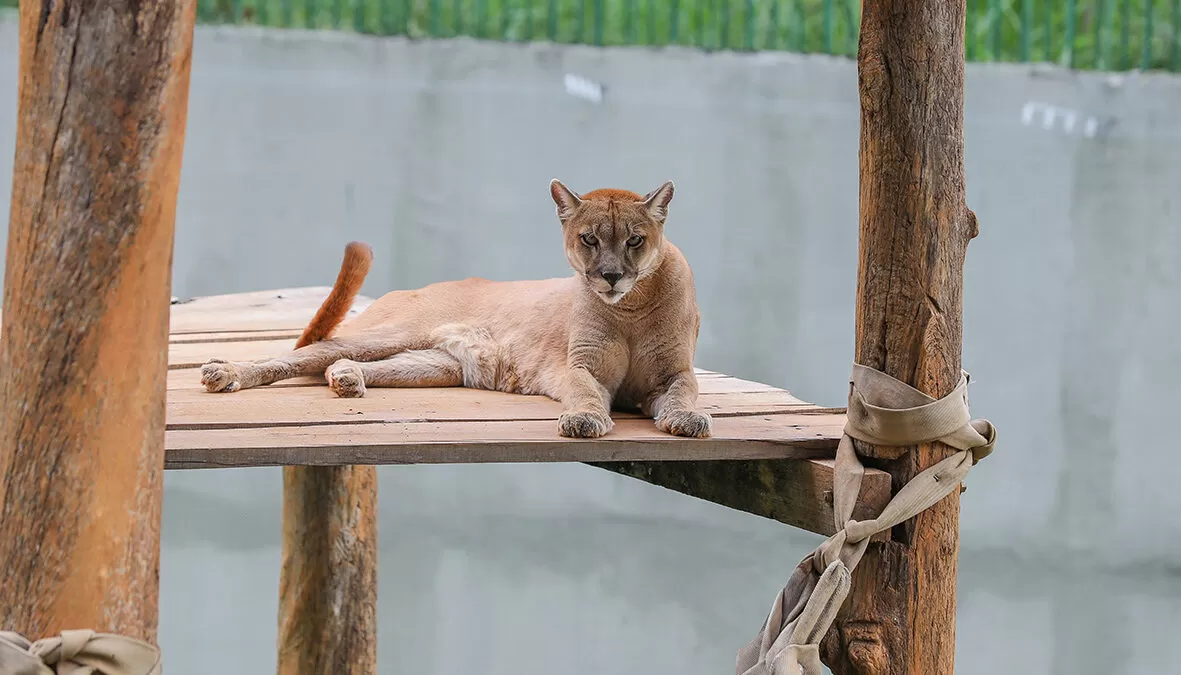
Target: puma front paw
[584,424]
[218,375]
[686,423]
[346,379]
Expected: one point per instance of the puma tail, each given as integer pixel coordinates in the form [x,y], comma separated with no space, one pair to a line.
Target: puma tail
[357,259]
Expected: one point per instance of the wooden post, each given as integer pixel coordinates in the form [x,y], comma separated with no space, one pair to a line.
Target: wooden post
[83,354]
[328,585]
[915,229]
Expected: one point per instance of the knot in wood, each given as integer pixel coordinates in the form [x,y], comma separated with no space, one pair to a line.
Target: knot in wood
[873,79]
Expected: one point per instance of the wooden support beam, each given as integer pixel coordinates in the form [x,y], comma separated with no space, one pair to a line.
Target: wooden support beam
[328,584]
[797,492]
[915,229]
[103,99]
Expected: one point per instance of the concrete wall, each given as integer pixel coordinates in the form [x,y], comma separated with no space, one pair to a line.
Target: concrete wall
[439,154]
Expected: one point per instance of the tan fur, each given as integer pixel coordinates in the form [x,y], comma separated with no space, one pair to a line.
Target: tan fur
[619,334]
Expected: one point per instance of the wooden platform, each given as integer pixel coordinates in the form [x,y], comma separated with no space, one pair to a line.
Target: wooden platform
[301,422]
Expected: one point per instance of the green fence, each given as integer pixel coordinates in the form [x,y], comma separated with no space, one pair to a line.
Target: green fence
[1084,34]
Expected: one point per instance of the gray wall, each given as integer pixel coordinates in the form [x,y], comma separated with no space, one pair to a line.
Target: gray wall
[439,155]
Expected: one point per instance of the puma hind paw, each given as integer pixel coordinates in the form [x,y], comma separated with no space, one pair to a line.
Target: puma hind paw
[346,379]
[689,423]
[585,424]
[220,376]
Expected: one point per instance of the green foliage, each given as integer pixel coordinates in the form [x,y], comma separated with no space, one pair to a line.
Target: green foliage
[1083,34]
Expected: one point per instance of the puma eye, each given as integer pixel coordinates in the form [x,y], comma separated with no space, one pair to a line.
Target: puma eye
[590,239]
[635,241]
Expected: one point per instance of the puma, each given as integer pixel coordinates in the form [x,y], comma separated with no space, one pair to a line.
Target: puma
[619,334]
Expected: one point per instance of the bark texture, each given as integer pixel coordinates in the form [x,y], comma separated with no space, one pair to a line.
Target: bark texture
[103,98]
[915,229]
[328,585]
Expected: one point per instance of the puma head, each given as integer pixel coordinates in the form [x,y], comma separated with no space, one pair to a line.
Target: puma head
[613,237]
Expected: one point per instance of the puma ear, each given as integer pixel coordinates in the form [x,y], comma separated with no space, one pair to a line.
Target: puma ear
[657,201]
[566,200]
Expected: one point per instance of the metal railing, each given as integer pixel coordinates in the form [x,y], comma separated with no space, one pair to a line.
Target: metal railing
[1082,34]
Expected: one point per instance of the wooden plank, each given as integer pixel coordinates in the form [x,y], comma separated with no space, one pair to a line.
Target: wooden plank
[780,436]
[914,232]
[727,384]
[311,402]
[235,336]
[281,309]
[195,354]
[100,130]
[798,493]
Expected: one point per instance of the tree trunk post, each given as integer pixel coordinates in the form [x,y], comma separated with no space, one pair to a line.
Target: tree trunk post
[103,99]
[915,229]
[328,584]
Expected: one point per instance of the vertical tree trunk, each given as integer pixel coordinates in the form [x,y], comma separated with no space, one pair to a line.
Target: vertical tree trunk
[915,229]
[328,585]
[103,99]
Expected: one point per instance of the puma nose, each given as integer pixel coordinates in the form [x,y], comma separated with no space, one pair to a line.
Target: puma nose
[612,277]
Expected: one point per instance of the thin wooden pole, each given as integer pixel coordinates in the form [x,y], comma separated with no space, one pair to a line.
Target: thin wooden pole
[328,585]
[103,100]
[915,229]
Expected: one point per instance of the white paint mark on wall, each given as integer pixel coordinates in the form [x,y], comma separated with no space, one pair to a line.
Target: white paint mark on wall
[1068,119]
[584,88]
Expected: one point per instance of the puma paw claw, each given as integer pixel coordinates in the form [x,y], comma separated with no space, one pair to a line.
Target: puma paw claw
[689,423]
[585,424]
[218,375]
[346,380]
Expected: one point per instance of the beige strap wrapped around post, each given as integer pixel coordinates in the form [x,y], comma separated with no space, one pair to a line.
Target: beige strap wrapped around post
[77,652]
[882,411]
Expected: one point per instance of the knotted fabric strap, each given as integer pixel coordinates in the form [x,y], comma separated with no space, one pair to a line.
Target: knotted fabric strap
[882,411]
[77,652]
